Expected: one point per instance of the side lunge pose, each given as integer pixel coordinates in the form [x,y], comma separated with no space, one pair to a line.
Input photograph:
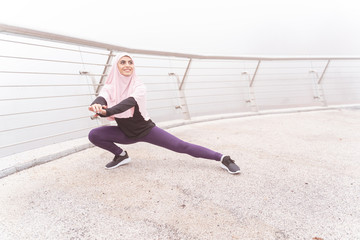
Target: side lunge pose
[123,99]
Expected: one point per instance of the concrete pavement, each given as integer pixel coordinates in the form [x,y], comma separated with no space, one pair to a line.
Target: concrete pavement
[300,180]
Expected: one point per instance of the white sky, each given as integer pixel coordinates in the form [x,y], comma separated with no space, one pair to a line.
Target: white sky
[222,27]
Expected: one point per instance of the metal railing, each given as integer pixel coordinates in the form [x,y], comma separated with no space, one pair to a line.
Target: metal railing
[48,80]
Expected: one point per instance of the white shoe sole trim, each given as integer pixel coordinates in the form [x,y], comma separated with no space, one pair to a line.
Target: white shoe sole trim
[224,167]
[123,162]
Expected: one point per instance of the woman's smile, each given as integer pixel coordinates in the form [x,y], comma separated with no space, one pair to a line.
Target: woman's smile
[125,66]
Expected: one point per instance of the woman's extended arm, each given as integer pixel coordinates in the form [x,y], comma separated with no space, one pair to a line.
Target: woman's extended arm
[99,106]
[124,105]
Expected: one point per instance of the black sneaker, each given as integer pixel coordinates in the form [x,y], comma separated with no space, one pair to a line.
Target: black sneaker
[229,164]
[118,161]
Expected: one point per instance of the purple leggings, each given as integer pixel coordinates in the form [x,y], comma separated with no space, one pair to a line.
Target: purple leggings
[106,137]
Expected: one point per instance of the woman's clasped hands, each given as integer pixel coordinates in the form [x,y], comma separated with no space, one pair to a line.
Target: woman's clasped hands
[98,109]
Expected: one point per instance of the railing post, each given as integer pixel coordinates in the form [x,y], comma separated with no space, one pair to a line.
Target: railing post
[322,75]
[182,98]
[252,101]
[253,78]
[318,85]
[105,72]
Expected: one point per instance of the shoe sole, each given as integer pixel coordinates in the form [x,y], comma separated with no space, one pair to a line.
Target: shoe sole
[224,167]
[123,162]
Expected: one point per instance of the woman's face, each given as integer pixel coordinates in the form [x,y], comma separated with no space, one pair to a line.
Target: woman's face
[126,66]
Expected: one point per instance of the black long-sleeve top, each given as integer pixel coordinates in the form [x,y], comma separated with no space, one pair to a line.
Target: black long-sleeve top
[133,127]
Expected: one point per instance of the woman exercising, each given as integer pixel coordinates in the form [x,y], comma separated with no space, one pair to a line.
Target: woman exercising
[123,99]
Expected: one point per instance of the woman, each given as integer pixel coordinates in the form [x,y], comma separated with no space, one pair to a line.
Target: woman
[123,99]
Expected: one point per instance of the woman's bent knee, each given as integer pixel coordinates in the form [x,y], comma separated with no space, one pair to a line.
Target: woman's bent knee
[93,135]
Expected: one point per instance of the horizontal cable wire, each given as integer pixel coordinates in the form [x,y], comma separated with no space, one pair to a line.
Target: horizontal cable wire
[272,74]
[42,138]
[303,90]
[223,68]
[282,85]
[152,91]
[160,84]
[189,96]
[168,105]
[286,79]
[46,46]
[159,67]
[279,91]
[210,95]
[331,72]
[29,98]
[342,88]
[222,60]
[220,85]
[212,102]
[201,75]
[43,124]
[45,110]
[48,73]
[222,81]
[340,94]
[281,98]
[329,92]
[55,85]
[271,94]
[52,60]
[213,88]
[332,66]
[165,98]
[320,68]
[158,108]
[342,77]
[153,75]
[292,67]
[164,58]
[215,75]
[163,90]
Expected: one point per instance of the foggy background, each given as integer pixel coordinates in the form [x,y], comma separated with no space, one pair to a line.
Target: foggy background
[227,27]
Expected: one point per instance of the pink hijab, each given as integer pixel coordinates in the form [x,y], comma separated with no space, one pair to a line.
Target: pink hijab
[119,87]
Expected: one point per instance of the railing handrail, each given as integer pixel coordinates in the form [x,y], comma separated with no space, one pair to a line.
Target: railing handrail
[100,45]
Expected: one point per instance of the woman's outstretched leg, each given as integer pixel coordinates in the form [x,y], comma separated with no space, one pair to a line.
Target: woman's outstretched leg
[164,139]
[160,137]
